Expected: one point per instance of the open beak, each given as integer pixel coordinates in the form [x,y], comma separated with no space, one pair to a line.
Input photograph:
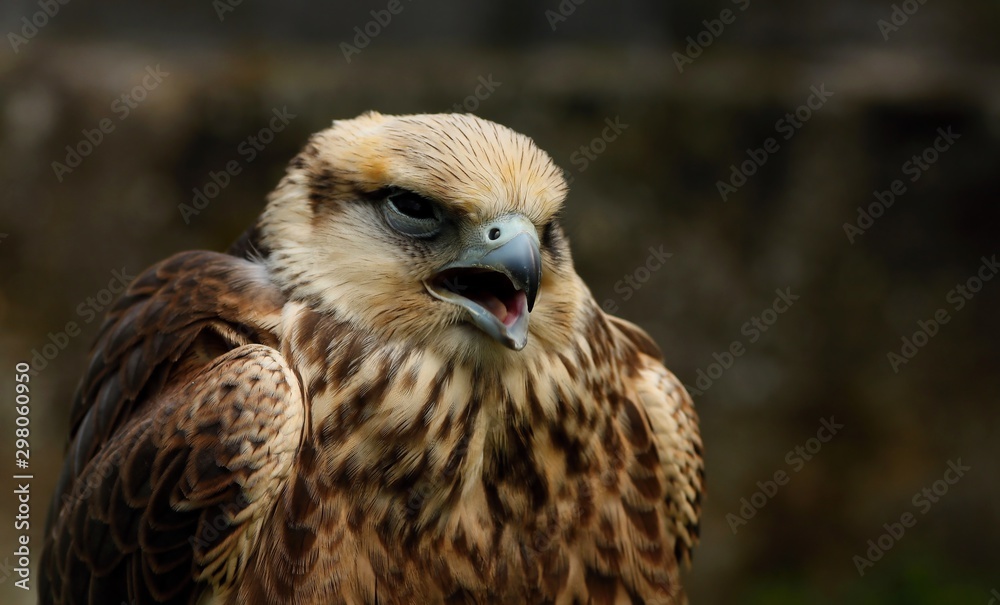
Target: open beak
[496,279]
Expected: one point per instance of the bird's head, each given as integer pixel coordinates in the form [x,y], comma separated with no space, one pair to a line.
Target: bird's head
[441,228]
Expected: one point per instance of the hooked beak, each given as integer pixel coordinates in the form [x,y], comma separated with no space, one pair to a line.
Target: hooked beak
[496,280]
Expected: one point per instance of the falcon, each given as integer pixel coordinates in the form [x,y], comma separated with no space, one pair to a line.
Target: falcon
[394,388]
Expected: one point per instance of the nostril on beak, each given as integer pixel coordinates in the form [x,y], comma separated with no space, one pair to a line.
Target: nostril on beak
[494,233]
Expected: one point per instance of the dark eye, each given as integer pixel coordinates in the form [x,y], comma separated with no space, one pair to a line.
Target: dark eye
[412,205]
[412,214]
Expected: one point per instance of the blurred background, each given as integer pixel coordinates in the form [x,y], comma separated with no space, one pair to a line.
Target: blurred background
[779,192]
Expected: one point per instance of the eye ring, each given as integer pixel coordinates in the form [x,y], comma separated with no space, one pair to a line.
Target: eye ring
[412,214]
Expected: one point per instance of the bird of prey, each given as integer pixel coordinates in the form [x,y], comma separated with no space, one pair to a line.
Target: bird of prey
[394,388]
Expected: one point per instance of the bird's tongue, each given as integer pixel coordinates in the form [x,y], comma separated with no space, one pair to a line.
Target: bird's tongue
[495,306]
[507,311]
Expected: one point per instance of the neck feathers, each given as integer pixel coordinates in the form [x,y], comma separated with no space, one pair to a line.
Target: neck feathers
[423,430]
